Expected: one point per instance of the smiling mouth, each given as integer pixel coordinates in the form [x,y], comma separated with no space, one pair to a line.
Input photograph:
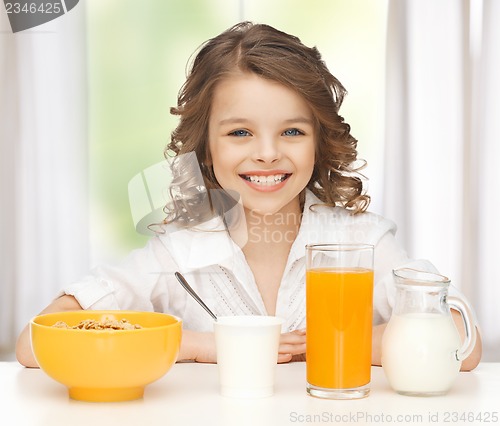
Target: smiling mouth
[267,180]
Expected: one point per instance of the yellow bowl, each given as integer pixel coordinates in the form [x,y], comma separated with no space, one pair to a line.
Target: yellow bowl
[106,365]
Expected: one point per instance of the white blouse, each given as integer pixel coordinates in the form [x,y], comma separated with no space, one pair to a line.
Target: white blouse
[216,268]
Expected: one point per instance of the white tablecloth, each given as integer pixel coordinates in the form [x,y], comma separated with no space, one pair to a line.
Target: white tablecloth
[189,395]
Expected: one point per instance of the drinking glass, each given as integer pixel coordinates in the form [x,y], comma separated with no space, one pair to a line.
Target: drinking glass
[339,309]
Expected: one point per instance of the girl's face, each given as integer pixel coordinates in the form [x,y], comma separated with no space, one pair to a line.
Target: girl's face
[261,142]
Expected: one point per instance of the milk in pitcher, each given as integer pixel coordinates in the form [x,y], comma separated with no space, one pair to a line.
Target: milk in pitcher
[419,355]
[421,348]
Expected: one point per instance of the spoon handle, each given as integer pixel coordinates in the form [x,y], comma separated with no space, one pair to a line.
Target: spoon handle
[193,294]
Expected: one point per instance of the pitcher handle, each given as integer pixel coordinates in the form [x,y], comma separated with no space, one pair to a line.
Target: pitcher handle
[470,328]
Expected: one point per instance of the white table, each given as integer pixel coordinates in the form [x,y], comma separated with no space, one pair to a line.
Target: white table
[188,395]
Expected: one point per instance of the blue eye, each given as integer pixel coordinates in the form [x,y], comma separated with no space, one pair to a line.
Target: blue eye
[239,133]
[292,132]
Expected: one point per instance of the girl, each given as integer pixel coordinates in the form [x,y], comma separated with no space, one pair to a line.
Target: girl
[259,111]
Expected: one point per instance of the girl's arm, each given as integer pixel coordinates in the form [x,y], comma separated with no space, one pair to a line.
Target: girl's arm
[24,354]
[377,333]
[473,359]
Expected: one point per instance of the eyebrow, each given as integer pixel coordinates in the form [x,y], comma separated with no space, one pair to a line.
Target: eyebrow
[234,120]
[304,120]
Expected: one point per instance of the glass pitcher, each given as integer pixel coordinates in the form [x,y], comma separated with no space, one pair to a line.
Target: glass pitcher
[421,348]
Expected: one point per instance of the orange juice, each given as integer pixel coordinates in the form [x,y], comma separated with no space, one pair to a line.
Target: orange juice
[339,304]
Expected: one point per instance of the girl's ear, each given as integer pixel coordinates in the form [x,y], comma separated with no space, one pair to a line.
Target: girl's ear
[206,166]
[207,161]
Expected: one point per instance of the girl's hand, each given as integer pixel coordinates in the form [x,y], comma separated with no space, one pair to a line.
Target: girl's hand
[24,353]
[198,347]
[292,346]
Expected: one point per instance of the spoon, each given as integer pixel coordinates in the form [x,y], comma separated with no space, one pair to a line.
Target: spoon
[193,294]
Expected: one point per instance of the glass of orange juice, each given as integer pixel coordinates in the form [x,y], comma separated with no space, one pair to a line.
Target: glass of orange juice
[339,309]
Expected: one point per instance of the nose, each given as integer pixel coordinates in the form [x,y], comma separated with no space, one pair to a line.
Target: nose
[266,150]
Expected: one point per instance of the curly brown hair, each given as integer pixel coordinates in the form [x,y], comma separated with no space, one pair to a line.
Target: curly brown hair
[274,55]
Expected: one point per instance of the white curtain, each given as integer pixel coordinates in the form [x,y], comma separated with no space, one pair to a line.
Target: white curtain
[43,166]
[442,128]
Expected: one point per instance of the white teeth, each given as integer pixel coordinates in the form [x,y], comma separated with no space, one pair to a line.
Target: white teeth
[266,180]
